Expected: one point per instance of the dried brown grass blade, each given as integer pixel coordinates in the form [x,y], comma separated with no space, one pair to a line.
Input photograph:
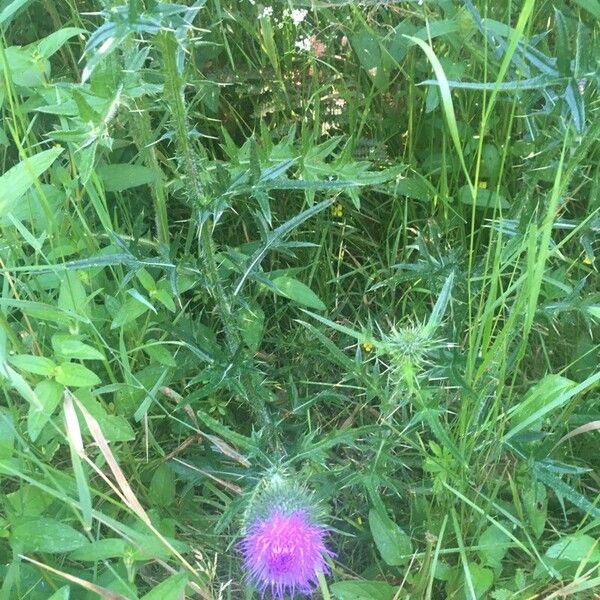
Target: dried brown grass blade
[92,587]
[124,489]
[591,426]
[118,474]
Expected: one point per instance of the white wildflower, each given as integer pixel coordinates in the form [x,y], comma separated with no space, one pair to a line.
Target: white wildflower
[267,11]
[303,44]
[298,15]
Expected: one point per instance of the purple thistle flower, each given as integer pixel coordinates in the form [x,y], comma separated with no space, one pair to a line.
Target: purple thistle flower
[284,545]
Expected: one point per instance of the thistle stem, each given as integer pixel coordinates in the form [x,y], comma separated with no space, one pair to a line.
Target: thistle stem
[323,585]
[190,156]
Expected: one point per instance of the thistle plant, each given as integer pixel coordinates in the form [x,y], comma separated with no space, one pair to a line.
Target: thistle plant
[409,348]
[283,546]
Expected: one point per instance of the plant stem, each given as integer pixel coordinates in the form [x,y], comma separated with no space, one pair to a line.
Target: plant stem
[323,585]
[194,177]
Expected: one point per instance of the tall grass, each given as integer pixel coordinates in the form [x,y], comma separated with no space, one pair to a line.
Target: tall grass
[350,243]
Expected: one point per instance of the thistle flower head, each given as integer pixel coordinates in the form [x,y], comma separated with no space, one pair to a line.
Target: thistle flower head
[410,343]
[284,543]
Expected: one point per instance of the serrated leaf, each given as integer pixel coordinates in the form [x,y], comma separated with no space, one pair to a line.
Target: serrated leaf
[564,490]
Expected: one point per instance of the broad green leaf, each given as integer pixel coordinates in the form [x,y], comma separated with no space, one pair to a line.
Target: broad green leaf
[576,548]
[72,296]
[141,298]
[7,434]
[130,310]
[494,545]
[393,544]
[482,579]
[41,311]
[11,8]
[70,347]
[52,43]
[115,428]
[25,66]
[49,394]
[592,6]
[298,292]
[549,394]
[562,45]
[535,503]
[44,535]
[121,177]
[162,486]
[101,550]
[29,501]
[146,280]
[489,199]
[17,381]
[164,297]
[158,352]
[363,590]
[75,375]
[367,48]
[416,187]
[17,180]
[61,594]
[172,588]
[40,365]
[252,325]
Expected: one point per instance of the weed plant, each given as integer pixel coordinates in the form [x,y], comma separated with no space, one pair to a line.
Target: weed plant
[347,243]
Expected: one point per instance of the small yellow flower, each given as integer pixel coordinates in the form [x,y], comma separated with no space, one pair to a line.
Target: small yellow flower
[367,346]
[483,185]
[587,260]
[337,210]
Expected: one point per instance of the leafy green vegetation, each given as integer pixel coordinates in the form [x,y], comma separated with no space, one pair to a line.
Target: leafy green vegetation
[349,242]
